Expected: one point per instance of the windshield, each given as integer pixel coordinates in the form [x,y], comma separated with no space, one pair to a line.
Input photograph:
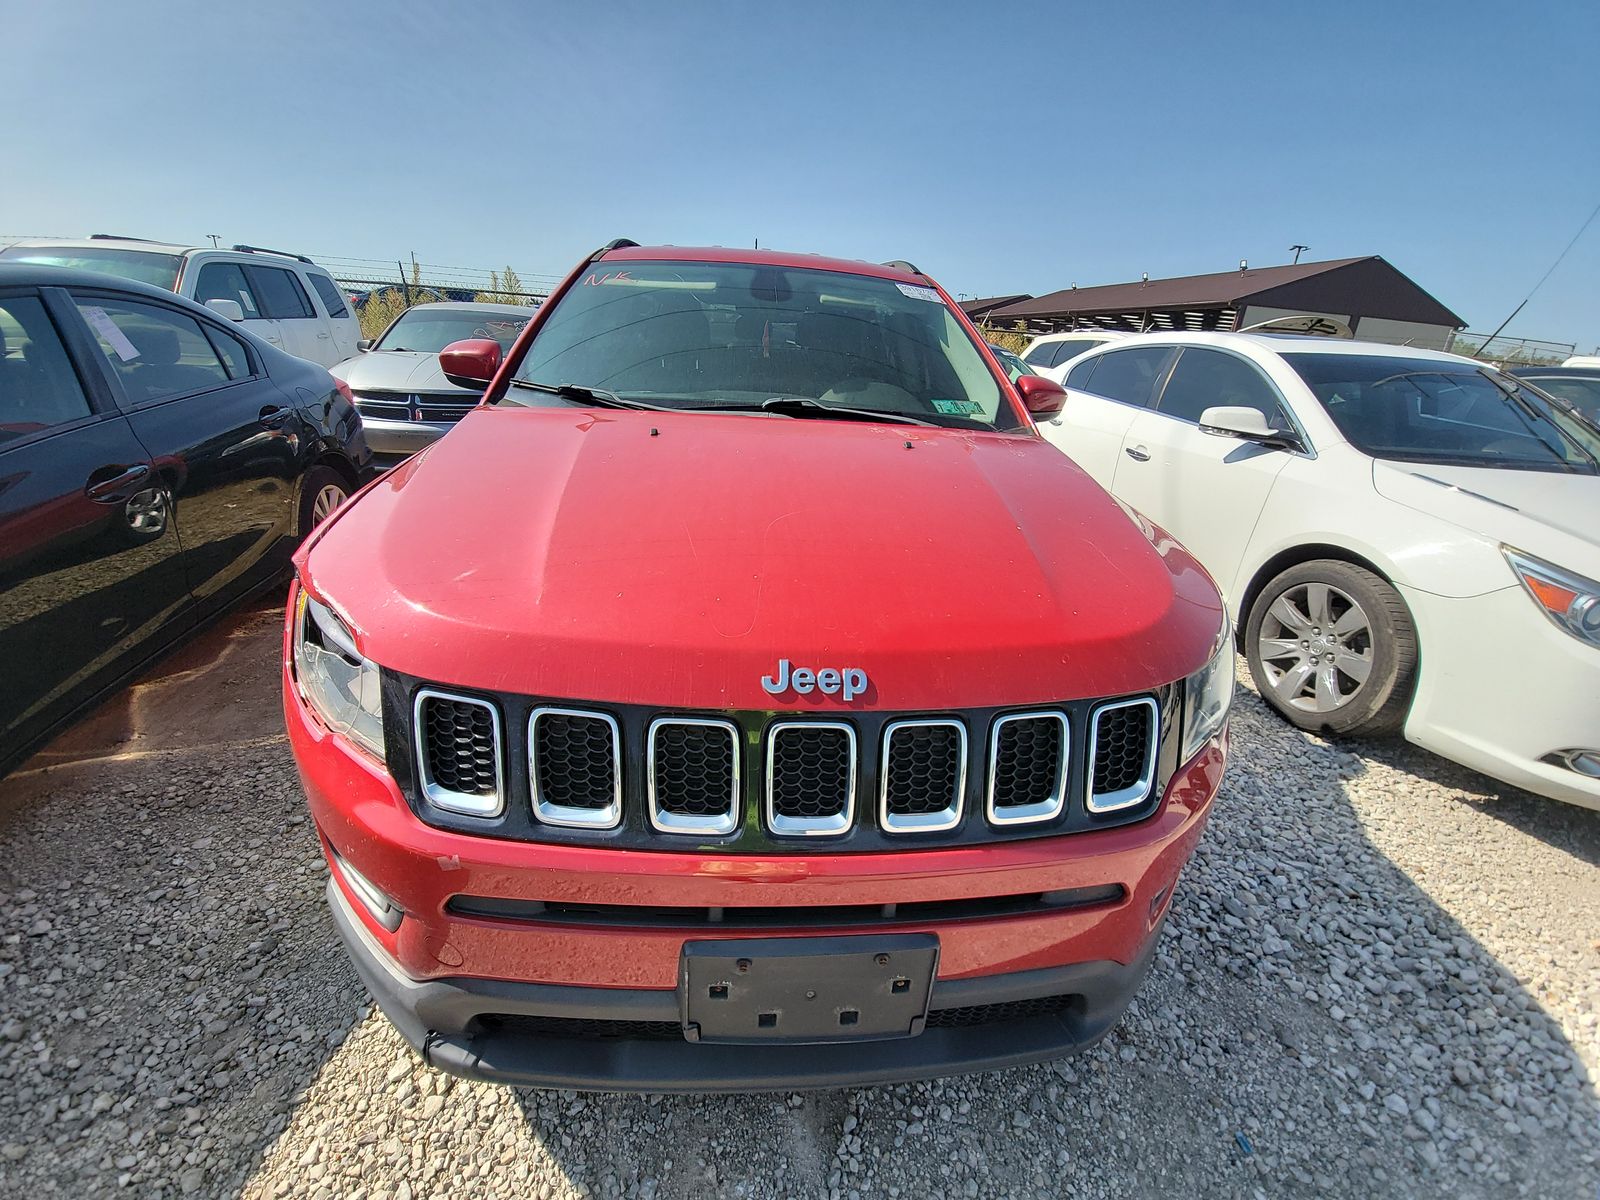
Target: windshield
[1430,410]
[731,335]
[145,266]
[430,330]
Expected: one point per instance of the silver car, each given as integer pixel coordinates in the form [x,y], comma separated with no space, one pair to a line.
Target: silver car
[403,397]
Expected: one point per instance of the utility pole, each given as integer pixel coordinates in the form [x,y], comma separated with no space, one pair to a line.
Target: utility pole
[1297,248]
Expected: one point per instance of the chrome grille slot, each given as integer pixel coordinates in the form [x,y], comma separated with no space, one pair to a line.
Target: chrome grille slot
[458,753]
[1028,768]
[693,775]
[575,760]
[924,776]
[811,778]
[1122,754]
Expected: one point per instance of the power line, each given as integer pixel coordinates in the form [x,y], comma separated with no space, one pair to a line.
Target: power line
[1581,228]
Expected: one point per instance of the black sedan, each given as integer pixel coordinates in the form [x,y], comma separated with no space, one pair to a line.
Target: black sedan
[157,464]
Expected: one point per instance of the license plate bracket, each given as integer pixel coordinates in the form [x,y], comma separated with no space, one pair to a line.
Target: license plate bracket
[819,990]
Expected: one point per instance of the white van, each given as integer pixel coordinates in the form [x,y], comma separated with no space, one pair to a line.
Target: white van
[285,298]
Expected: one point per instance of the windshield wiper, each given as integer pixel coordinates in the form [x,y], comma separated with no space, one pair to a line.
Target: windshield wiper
[598,397]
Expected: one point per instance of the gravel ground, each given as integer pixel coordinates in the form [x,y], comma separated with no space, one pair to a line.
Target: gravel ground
[1380,978]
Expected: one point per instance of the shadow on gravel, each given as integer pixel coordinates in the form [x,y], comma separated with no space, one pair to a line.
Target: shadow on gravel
[169,981]
[1315,1025]
[1565,827]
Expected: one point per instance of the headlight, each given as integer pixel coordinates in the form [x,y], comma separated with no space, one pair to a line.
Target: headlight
[1207,694]
[335,680]
[1571,601]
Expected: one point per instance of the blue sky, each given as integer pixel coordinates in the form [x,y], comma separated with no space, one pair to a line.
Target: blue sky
[1015,147]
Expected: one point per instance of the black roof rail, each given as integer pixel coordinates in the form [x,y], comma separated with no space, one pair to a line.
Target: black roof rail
[117,237]
[903,265]
[279,253]
[613,244]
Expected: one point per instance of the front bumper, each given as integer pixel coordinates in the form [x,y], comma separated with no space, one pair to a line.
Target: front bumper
[393,442]
[444,1021]
[1501,689]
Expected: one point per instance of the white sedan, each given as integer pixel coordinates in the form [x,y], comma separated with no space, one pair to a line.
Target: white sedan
[1407,539]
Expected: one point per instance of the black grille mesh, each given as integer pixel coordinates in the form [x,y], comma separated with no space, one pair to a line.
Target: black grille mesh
[459,738]
[693,770]
[1027,762]
[670,1031]
[990,1014]
[810,772]
[1122,742]
[924,769]
[584,1029]
[574,760]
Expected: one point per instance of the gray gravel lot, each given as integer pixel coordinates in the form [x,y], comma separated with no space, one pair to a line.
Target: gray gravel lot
[1381,978]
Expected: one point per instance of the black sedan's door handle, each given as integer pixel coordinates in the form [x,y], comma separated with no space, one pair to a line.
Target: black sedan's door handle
[1137,453]
[271,417]
[117,488]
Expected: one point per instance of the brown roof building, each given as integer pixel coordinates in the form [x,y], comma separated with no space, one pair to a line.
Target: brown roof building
[1377,301]
[978,309]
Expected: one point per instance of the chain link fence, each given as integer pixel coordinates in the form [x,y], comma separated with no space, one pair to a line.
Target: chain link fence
[1532,352]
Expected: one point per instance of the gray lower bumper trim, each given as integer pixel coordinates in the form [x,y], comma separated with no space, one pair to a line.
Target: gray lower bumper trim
[438,1017]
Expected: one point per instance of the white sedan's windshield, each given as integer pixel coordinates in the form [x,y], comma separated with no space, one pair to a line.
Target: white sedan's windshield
[1434,410]
[738,335]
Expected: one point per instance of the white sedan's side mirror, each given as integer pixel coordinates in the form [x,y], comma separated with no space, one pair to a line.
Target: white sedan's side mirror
[226,308]
[1248,423]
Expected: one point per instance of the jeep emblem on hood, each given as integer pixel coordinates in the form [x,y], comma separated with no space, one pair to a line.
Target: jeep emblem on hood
[845,682]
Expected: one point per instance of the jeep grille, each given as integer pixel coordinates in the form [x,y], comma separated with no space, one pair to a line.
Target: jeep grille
[924,776]
[811,778]
[576,759]
[1028,768]
[694,775]
[1123,753]
[458,744]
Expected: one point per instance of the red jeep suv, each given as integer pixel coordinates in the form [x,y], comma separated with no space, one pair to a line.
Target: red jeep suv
[745,696]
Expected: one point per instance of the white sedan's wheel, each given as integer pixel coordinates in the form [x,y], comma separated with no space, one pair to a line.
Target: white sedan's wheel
[1332,647]
[1316,647]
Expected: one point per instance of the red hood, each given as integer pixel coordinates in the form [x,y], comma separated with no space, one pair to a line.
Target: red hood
[673,559]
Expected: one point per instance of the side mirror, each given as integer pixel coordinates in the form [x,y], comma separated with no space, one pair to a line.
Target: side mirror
[229,309]
[364,345]
[470,363]
[1249,424]
[1043,397]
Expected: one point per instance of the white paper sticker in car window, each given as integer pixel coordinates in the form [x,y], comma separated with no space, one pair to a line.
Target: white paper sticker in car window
[919,293]
[100,320]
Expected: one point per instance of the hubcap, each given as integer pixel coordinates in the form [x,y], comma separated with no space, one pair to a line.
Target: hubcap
[328,499]
[1316,648]
[146,511]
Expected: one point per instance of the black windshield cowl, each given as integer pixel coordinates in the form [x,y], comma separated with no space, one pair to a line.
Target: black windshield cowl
[589,396]
[806,407]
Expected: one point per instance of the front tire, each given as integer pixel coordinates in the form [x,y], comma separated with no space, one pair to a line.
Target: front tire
[322,491]
[1332,647]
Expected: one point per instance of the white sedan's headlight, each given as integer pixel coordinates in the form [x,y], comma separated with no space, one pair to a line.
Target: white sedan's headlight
[1207,695]
[1571,601]
[335,680]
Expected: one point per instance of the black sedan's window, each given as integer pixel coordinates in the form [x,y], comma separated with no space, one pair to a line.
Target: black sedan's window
[156,352]
[38,387]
